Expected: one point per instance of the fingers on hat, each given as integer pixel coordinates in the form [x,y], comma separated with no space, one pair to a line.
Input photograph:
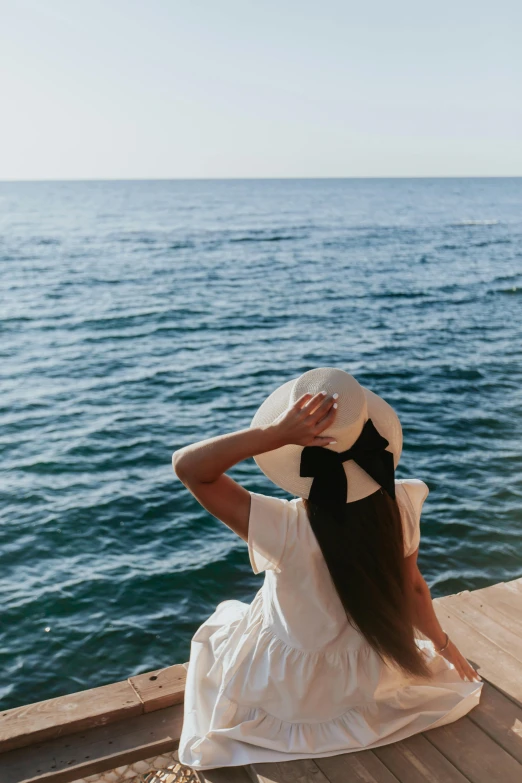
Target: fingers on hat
[302,400]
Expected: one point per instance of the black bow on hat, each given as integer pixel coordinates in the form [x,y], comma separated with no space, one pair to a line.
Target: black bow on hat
[330,486]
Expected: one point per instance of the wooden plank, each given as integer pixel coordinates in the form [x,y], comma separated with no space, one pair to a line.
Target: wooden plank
[514,584]
[299,771]
[67,714]
[491,605]
[500,718]
[74,712]
[474,753]
[160,688]
[415,759]
[507,602]
[492,663]
[358,767]
[477,616]
[96,750]
[224,775]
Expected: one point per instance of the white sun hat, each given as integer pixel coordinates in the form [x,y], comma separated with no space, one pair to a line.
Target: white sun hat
[356,405]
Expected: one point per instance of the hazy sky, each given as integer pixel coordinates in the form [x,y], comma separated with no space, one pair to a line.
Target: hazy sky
[236,88]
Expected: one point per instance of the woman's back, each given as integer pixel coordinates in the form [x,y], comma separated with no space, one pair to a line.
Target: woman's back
[301,604]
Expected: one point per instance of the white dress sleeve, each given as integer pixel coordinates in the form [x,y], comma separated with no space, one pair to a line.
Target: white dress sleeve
[267,531]
[415,493]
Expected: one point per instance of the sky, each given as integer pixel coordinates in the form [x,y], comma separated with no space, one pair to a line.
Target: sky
[121,89]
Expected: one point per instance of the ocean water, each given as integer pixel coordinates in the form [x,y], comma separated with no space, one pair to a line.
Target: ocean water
[138,317]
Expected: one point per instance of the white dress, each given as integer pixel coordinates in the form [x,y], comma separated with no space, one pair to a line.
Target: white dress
[287,677]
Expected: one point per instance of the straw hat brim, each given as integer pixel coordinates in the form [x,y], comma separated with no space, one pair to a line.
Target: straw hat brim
[282,465]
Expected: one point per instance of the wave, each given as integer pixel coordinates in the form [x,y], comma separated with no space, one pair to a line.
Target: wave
[461,223]
[396,295]
[488,242]
[181,245]
[46,241]
[277,238]
[506,278]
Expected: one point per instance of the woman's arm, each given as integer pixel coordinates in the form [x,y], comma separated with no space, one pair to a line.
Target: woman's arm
[201,466]
[423,613]
[425,619]
[207,460]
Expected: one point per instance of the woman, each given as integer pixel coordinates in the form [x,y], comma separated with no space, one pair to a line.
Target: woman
[325,660]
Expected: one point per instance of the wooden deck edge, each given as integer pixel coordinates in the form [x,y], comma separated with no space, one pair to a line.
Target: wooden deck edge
[77,712]
[95,751]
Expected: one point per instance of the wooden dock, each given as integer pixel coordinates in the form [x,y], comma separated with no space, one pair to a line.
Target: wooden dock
[113,732]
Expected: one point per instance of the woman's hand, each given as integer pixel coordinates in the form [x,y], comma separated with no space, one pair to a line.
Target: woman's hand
[308,416]
[454,656]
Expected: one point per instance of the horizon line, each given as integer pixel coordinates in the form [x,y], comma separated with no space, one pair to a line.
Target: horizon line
[260,179]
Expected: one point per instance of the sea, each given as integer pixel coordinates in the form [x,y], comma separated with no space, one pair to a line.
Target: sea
[141,316]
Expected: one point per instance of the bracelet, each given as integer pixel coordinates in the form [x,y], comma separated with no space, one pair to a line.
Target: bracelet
[441,649]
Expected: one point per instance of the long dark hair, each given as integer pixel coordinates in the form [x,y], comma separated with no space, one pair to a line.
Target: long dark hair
[365,557]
